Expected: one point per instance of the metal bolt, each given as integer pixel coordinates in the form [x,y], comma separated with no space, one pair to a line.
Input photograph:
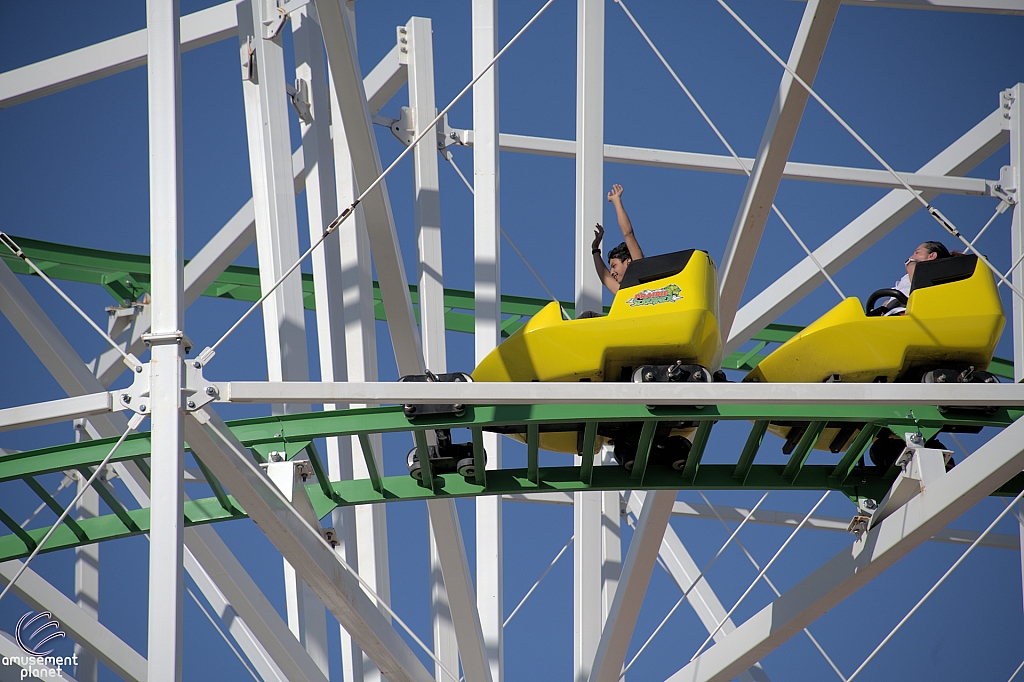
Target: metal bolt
[649,376]
[197,364]
[126,399]
[191,404]
[142,408]
[406,50]
[138,369]
[211,391]
[916,438]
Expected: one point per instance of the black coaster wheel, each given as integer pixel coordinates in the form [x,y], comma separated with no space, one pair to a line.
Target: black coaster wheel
[466,467]
[886,450]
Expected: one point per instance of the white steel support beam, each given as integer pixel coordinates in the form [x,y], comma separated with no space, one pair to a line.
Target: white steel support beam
[314,560]
[636,575]
[339,38]
[1012,107]
[109,57]
[487,323]
[982,6]
[973,479]
[447,549]
[370,557]
[717,163]
[589,147]
[386,79]
[684,571]
[756,204]
[968,151]
[92,635]
[166,243]
[87,576]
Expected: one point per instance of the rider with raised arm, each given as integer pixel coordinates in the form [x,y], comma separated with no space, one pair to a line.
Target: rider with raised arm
[620,257]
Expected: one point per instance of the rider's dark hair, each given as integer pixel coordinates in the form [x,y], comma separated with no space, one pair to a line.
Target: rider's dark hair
[621,252]
[937,248]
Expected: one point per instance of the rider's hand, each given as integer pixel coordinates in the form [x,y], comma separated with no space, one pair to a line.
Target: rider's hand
[615,195]
[598,236]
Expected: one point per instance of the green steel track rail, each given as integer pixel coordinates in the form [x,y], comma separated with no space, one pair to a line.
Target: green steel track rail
[126,277]
[295,433]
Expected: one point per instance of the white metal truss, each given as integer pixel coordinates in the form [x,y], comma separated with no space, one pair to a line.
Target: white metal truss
[468,619]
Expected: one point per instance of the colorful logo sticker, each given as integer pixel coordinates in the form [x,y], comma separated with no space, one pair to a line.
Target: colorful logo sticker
[667,294]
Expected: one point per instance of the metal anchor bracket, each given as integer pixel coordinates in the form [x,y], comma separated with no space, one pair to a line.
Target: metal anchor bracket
[197,391]
[299,97]
[136,396]
[921,466]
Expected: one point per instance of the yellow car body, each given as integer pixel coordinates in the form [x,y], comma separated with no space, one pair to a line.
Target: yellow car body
[659,321]
[947,325]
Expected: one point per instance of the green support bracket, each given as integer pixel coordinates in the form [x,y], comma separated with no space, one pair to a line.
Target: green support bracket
[371,463]
[803,450]
[215,486]
[700,441]
[30,544]
[423,456]
[56,508]
[532,445]
[321,473]
[749,451]
[143,464]
[643,450]
[742,361]
[587,453]
[854,453]
[115,506]
[289,448]
[479,457]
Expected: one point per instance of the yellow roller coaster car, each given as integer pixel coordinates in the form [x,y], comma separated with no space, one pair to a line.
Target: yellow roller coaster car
[952,323]
[666,311]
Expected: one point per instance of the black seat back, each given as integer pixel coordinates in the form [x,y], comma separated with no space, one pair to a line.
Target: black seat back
[655,267]
[932,273]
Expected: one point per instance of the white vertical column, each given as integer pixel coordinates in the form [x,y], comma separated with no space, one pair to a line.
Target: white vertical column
[277,248]
[589,607]
[361,365]
[322,207]
[166,244]
[1012,111]
[87,581]
[487,291]
[589,148]
[611,540]
[430,278]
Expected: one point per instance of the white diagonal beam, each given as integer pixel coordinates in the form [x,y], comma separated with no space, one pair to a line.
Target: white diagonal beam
[108,648]
[109,57]
[385,79]
[718,163]
[968,151]
[53,411]
[702,599]
[944,500]
[770,162]
[636,574]
[362,143]
[314,560]
[981,6]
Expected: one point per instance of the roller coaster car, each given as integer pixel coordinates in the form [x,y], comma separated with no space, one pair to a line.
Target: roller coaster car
[948,333]
[662,325]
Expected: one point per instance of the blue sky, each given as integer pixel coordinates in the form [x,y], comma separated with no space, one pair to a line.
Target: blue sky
[74,170]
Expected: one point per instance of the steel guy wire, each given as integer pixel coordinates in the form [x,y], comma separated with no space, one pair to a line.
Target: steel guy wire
[542,576]
[334,224]
[1019,668]
[1000,209]
[934,212]
[509,240]
[133,424]
[936,585]
[761,574]
[774,589]
[693,585]
[728,146]
[1012,268]
[129,359]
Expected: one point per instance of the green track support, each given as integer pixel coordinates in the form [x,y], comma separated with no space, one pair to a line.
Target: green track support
[371,462]
[803,450]
[115,506]
[532,455]
[479,457]
[587,453]
[215,486]
[643,450]
[700,441]
[55,507]
[318,468]
[749,451]
[423,456]
[854,453]
[19,533]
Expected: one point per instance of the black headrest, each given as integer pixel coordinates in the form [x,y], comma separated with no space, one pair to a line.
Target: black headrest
[931,273]
[651,268]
